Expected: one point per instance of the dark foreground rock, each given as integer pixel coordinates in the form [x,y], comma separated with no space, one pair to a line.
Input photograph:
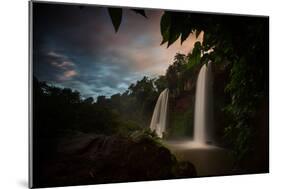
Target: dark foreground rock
[90,159]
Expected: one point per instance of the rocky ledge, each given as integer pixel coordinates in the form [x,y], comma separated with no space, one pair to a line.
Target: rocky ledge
[91,159]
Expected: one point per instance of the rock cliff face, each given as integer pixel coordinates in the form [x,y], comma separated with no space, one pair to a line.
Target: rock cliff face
[91,159]
[180,116]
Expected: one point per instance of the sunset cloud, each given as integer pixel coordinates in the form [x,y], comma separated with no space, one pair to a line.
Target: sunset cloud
[79,49]
[70,73]
[63,65]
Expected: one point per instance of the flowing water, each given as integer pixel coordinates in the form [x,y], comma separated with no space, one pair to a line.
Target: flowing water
[208,159]
[203,114]
[159,117]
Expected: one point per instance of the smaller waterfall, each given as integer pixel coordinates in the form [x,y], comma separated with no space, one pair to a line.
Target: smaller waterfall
[159,117]
[203,120]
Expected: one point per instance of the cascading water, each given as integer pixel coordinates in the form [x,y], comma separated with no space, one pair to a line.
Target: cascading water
[159,117]
[203,120]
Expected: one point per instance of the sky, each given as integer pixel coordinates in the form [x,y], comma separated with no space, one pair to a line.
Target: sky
[77,48]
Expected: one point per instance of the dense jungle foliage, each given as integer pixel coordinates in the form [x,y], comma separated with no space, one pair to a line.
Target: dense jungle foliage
[240,43]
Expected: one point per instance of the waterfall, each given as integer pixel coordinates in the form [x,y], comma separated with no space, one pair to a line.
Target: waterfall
[159,117]
[203,120]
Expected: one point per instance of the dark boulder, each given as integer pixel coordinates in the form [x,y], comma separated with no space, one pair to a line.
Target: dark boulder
[91,159]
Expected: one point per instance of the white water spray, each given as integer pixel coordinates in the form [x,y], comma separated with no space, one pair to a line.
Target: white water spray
[203,120]
[159,118]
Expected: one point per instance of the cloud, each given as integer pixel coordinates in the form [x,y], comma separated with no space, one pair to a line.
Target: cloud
[78,48]
[56,55]
[65,67]
[67,75]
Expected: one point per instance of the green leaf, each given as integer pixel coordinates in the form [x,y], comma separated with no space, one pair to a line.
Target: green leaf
[185,33]
[165,25]
[140,11]
[174,35]
[195,56]
[178,21]
[175,27]
[116,17]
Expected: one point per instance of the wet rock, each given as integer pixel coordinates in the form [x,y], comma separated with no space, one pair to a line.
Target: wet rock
[185,169]
[90,159]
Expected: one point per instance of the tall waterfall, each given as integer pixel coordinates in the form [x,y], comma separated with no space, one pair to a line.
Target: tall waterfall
[159,117]
[203,120]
